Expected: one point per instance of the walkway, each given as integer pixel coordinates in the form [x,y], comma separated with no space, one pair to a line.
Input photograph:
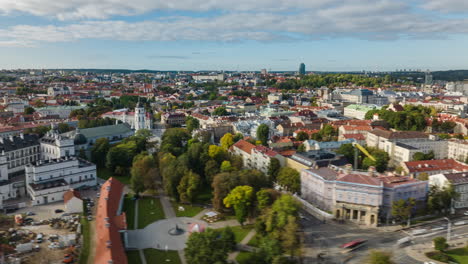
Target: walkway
[232,256]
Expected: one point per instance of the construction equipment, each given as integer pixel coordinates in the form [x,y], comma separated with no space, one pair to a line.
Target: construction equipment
[363,150]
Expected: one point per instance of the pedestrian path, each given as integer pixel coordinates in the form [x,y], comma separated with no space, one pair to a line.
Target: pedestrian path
[232,256]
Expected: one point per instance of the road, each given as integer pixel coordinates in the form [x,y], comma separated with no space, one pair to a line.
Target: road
[326,238]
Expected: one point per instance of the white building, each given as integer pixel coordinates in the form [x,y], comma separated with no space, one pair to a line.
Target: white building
[73,202]
[58,90]
[54,145]
[139,119]
[359,111]
[48,180]
[459,181]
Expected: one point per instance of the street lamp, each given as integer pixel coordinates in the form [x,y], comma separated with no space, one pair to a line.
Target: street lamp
[449,225]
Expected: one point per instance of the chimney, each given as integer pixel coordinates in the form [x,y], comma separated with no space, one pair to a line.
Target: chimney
[1,140]
[21,135]
[371,171]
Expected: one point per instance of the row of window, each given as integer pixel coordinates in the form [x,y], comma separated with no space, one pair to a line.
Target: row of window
[23,161]
[21,153]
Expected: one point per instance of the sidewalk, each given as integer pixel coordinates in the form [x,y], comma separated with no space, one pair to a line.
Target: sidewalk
[232,256]
[418,251]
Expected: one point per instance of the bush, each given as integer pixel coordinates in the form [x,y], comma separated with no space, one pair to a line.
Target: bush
[439,256]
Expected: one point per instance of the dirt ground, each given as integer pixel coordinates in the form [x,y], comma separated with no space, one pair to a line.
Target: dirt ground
[45,255]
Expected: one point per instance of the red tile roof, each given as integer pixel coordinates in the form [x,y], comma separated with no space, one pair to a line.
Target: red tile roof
[436,165]
[355,136]
[244,146]
[109,246]
[267,151]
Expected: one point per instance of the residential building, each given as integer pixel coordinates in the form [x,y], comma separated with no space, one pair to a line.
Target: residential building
[48,180]
[359,111]
[432,167]
[326,145]
[173,118]
[459,180]
[62,111]
[111,225]
[314,158]
[59,90]
[255,157]
[402,145]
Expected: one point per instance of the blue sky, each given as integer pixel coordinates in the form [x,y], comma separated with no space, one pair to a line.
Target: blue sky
[327,35]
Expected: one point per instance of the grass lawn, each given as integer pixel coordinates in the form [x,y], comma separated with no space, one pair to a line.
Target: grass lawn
[240,232]
[105,173]
[190,210]
[459,254]
[133,257]
[254,241]
[129,209]
[149,211]
[243,256]
[84,254]
[160,256]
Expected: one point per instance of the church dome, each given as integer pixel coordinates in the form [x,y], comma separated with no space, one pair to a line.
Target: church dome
[79,139]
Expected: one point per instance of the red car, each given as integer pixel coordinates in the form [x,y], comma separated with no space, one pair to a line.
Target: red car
[353,243]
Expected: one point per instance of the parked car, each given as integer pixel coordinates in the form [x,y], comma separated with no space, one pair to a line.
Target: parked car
[58,211]
[465,213]
[90,218]
[39,238]
[30,213]
[68,258]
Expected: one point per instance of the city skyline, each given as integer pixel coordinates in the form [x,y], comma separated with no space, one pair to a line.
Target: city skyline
[327,35]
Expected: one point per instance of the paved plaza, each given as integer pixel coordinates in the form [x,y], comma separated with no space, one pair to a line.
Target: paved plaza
[156,235]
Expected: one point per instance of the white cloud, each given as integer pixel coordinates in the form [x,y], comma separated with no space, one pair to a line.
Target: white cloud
[448,6]
[260,20]
[102,9]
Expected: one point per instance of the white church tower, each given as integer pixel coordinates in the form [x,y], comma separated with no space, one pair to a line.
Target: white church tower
[140,115]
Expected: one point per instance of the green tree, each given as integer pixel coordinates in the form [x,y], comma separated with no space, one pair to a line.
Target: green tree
[273,168]
[82,154]
[143,173]
[423,176]
[227,141]
[174,141]
[276,218]
[226,166]
[63,128]
[211,169]
[217,153]
[29,110]
[289,179]
[263,132]
[188,187]
[302,135]
[290,239]
[192,123]
[348,151]
[240,198]
[220,111]
[121,155]
[266,197]
[207,247]
[301,148]
[402,209]
[440,243]
[222,184]
[380,257]
[99,152]
[237,137]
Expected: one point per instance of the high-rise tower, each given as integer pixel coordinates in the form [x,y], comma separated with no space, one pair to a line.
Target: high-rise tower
[302,69]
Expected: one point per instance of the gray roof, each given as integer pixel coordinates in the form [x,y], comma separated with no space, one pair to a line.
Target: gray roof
[16,142]
[361,92]
[103,131]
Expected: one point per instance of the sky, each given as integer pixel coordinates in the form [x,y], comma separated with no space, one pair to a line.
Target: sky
[327,35]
